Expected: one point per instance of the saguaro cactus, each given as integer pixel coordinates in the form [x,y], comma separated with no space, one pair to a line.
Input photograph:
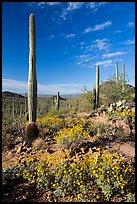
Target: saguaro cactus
[25,103]
[97,86]
[31,129]
[32,79]
[58,102]
[20,110]
[116,64]
[123,77]
[69,103]
[94,98]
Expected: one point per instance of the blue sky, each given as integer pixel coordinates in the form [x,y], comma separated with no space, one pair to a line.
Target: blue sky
[71,38]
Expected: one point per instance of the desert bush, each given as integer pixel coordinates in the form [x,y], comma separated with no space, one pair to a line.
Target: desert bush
[71,137]
[106,171]
[53,123]
[110,172]
[37,144]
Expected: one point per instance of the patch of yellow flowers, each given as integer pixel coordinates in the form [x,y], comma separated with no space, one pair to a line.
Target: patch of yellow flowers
[102,169]
[50,120]
[71,137]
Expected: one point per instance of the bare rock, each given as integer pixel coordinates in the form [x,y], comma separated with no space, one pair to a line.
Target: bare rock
[19,149]
[18,140]
[127,149]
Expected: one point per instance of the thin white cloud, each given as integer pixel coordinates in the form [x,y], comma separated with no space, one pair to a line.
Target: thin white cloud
[129,42]
[87,30]
[68,7]
[53,3]
[21,87]
[118,31]
[72,35]
[42,5]
[96,5]
[74,5]
[82,43]
[82,59]
[105,63]
[51,37]
[71,7]
[109,55]
[131,24]
[101,44]
[13,85]
[98,27]
[85,60]
[102,26]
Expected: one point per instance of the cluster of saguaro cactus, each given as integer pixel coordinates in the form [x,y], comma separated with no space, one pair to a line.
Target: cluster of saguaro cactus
[32,79]
[97,86]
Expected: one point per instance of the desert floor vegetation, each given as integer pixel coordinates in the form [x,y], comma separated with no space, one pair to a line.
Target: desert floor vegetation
[85,156]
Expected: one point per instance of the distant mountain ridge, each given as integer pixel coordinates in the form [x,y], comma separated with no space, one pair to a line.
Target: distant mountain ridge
[10,94]
[16,95]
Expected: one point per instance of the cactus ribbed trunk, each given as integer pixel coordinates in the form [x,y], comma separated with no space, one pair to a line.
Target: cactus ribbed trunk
[94,98]
[58,102]
[25,103]
[123,77]
[20,110]
[116,64]
[32,79]
[69,101]
[97,86]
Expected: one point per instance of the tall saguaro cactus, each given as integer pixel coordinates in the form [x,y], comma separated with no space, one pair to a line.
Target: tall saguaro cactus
[116,64]
[97,86]
[123,77]
[94,98]
[25,103]
[32,79]
[58,102]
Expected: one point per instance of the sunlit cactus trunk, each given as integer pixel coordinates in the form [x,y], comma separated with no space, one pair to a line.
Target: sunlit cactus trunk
[32,79]
[25,103]
[123,77]
[69,101]
[97,86]
[20,110]
[116,64]
[58,102]
[94,98]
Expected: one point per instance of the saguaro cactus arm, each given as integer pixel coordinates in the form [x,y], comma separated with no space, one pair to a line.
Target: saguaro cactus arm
[32,79]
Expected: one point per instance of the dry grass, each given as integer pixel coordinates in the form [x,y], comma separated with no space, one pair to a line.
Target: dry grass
[37,143]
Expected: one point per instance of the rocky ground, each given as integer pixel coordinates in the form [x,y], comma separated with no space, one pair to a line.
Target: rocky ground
[25,192]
